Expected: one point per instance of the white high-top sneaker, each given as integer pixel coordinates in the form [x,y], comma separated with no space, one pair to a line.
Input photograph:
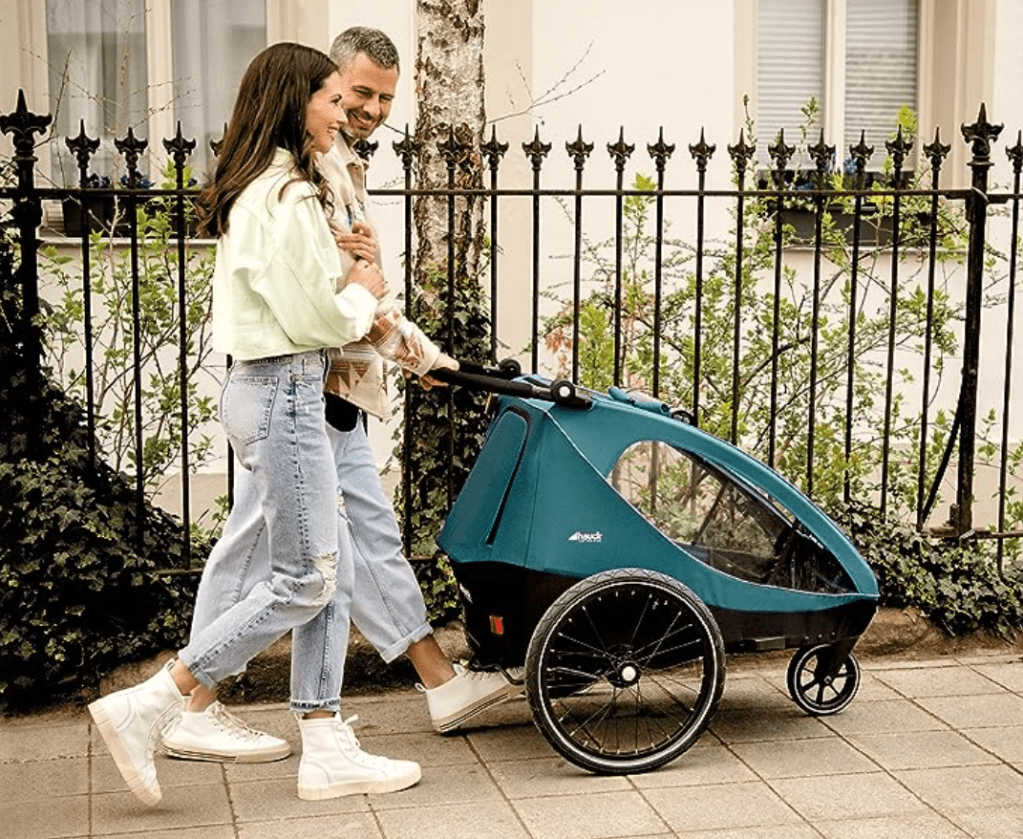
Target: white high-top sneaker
[217,734]
[130,721]
[465,695]
[333,764]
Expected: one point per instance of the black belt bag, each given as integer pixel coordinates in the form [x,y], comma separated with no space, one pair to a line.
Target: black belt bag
[341,414]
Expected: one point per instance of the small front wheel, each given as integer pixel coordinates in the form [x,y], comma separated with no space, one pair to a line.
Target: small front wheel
[817,685]
[624,671]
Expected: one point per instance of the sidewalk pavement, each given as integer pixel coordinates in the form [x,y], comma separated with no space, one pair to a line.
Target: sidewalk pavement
[930,749]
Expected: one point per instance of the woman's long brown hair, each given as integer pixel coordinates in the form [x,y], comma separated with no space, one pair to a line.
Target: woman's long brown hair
[269,113]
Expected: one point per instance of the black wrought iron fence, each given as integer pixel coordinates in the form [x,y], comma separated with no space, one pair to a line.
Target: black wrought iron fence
[857,331]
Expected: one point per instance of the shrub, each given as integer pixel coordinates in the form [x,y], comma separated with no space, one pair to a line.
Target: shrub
[957,587]
[76,597]
[80,590]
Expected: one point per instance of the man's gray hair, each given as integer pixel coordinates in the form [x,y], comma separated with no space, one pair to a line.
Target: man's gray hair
[375,44]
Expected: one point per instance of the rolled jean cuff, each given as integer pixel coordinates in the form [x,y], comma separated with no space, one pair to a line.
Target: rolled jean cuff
[399,647]
[200,675]
[305,706]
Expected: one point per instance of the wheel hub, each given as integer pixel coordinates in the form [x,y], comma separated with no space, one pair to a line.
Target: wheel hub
[625,674]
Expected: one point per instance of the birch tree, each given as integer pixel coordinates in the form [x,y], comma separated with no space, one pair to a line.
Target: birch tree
[450,120]
[444,431]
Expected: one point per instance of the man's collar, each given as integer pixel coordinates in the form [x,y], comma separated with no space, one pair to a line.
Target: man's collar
[345,148]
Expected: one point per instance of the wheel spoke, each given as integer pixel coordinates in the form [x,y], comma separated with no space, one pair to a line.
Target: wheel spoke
[653,715]
[584,725]
[639,621]
[657,642]
[646,654]
[586,649]
[596,633]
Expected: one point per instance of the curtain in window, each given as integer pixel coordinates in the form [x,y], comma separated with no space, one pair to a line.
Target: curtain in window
[213,42]
[790,68]
[881,68]
[96,50]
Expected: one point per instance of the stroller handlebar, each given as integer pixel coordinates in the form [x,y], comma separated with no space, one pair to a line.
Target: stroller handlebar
[505,379]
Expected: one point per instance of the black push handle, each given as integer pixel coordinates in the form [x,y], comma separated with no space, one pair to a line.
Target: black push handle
[505,379]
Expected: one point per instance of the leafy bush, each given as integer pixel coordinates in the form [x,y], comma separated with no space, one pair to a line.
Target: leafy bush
[957,587]
[79,588]
[113,293]
[448,428]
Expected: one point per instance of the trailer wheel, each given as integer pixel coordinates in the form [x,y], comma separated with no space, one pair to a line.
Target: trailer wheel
[815,690]
[624,671]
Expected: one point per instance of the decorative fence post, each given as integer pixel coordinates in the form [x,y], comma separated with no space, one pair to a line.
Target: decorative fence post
[980,135]
[27,214]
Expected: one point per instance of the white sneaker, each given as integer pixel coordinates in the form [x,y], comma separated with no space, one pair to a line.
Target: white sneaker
[333,765]
[465,695]
[217,734]
[130,720]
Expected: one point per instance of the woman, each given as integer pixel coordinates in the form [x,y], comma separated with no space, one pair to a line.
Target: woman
[275,310]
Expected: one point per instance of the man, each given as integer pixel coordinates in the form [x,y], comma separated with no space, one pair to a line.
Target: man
[396,623]
[387,605]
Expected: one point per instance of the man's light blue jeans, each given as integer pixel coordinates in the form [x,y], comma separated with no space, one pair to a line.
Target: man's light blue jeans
[272,412]
[387,604]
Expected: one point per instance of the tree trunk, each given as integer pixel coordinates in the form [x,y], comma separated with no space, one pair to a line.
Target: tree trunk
[450,121]
[444,429]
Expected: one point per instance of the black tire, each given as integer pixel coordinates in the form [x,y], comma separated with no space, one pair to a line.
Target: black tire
[624,671]
[813,689]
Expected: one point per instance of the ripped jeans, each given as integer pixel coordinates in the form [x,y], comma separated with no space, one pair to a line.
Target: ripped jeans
[272,412]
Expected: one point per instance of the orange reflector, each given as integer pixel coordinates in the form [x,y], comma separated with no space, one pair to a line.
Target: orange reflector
[496,625]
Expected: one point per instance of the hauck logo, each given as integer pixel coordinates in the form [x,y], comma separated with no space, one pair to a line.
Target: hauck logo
[579,536]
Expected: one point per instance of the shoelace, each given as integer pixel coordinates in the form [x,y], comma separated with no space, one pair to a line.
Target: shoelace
[232,724]
[350,743]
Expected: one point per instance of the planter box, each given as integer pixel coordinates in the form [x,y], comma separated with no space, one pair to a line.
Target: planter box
[874,230]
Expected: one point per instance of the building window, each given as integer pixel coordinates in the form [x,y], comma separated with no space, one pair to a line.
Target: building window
[858,59]
[96,55]
[207,69]
[145,65]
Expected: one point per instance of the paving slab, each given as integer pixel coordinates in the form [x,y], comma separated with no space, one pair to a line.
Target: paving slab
[600,815]
[978,711]
[855,797]
[921,750]
[803,758]
[346,825]
[453,821]
[924,826]
[938,681]
[722,807]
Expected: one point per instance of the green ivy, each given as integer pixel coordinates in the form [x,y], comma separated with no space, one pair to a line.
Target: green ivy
[80,588]
[448,427]
[957,587]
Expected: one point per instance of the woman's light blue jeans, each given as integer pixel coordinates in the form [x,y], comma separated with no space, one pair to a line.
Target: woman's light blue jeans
[272,412]
[387,604]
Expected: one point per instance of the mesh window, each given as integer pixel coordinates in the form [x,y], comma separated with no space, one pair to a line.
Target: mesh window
[723,521]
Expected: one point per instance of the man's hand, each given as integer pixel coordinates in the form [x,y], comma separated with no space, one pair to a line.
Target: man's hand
[361,242]
[443,362]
